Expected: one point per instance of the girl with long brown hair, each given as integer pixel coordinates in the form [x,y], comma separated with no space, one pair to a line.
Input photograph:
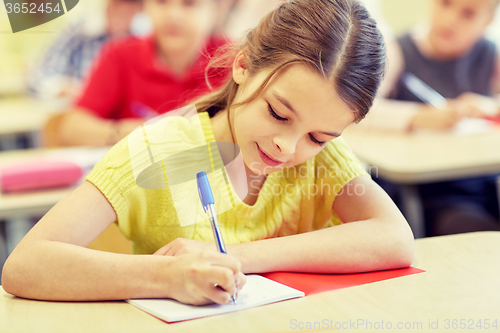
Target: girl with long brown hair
[306,72]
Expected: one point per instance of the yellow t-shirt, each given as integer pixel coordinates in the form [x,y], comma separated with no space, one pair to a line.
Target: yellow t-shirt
[291,201]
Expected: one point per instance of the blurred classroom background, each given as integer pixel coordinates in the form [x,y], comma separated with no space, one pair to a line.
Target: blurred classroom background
[19,51]
[23,117]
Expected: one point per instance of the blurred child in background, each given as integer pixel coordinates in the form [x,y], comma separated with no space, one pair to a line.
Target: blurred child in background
[137,78]
[62,68]
[450,54]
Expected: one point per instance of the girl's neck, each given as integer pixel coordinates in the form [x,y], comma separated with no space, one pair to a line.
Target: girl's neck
[254,185]
[221,128]
[222,133]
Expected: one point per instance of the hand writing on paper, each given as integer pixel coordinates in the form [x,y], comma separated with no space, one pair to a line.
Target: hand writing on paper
[202,276]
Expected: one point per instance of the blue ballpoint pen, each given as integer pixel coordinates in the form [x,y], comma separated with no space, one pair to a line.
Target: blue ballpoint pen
[207,201]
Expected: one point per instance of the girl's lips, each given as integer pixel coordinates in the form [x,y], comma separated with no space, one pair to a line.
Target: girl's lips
[266,159]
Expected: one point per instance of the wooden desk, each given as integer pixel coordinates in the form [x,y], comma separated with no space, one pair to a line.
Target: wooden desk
[12,83]
[409,159]
[25,115]
[424,158]
[461,283]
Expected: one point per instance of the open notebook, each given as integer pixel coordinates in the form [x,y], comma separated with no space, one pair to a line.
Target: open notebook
[258,290]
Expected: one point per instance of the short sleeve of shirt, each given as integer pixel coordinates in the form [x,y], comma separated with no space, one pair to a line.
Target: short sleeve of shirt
[148,215]
[138,205]
[103,88]
[112,175]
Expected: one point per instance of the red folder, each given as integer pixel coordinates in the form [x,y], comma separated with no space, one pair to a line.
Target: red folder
[311,283]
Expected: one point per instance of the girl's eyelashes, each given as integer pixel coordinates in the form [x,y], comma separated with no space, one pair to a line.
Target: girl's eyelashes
[274,114]
[316,141]
[277,117]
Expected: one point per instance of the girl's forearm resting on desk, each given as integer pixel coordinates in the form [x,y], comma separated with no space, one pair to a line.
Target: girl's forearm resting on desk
[374,236]
[59,271]
[52,263]
[353,247]
[51,270]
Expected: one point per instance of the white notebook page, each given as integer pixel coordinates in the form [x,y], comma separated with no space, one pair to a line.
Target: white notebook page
[257,291]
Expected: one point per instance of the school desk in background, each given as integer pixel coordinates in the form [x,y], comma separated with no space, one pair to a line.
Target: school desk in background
[23,118]
[431,97]
[409,160]
[34,180]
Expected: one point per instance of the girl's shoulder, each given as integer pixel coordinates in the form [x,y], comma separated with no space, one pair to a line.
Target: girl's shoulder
[338,159]
[143,152]
[167,130]
[336,151]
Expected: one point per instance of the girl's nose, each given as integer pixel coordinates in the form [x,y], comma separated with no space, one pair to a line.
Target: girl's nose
[286,145]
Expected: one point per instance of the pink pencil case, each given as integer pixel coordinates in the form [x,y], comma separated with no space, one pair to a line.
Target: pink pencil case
[39,175]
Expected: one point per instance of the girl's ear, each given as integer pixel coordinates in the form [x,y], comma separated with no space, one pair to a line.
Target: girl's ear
[240,68]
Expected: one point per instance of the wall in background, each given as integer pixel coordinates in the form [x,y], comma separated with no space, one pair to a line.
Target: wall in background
[402,14]
[20,49]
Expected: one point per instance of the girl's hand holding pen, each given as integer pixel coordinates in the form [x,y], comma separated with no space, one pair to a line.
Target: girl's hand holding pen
[200,274]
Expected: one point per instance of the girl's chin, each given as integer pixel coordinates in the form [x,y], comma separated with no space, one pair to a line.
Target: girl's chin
[261,169]
[258,171]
